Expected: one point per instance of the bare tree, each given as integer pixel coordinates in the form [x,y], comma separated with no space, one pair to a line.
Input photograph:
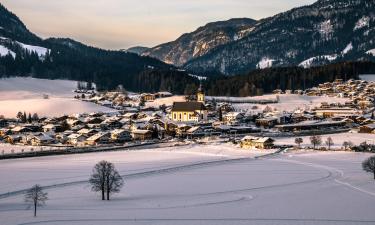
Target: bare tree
[97,179]
[105,179]
[329,142]
[114,181]
[316,141]
[369,165]
[298,141]
[347,144]
[35,196]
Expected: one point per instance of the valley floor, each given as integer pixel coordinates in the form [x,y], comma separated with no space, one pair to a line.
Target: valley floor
[196,184]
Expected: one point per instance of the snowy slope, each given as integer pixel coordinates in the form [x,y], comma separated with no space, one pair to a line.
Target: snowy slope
[308,62]
[41,51]
[371,52]
[26,94]
[265,63]
[294,189]
[5,51]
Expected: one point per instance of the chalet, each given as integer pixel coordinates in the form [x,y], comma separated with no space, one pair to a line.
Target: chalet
[257,142]
[20,129]
[41,139]
[196,131]
[268,122]
[163,94]
[182,129]
[76,139]
[188,112]
[5,131]
[148,97]
[120,135]
[87,132]
[52,128]
[142,135]
[99,138]
[12,139]
[233,117]
[61,138]
[334,112]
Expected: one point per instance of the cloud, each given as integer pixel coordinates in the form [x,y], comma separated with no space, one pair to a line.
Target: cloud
[118,24]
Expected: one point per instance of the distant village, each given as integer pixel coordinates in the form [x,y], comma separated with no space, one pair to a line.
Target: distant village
[198,117]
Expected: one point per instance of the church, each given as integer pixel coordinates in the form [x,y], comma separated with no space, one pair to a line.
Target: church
[192,111]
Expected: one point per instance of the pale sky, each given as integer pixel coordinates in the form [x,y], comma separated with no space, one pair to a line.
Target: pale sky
[116,24]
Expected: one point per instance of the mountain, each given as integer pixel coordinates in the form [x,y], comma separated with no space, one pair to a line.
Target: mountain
[192,45]
[327,31]
[22,53]
[139,50]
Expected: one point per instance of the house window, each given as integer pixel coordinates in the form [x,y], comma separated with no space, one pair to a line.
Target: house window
[174,114]
[180,116]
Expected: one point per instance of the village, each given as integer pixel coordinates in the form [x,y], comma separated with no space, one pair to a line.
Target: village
[199,119]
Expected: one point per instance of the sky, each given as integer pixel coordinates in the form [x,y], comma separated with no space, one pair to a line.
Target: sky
[119,24]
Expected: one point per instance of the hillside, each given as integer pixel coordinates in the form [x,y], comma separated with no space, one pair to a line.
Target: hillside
[198,43]
[327,31]
[24,54]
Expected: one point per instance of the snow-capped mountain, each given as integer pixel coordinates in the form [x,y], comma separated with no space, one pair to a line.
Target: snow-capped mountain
[139,50]
[192,45]
[325,32]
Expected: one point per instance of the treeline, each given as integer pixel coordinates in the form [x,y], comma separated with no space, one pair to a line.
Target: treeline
[260,82]
[108,69]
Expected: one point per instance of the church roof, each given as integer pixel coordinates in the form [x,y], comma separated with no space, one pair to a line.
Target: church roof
[188,106]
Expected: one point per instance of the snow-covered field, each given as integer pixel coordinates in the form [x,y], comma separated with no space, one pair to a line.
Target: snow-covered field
[290,102]
[165,101]
[6,148]
[294,188]
[338,139]
[26,94]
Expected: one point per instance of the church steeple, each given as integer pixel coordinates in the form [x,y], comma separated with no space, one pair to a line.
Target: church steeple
[200,94]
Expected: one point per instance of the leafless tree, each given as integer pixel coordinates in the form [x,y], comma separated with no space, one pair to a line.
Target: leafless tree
[316,141]
[36,197]
[106,179]
[329,142]
[298,141]
[369,165]
[114,181]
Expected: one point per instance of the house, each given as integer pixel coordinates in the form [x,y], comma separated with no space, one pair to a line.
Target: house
[5,131]
[20,129]
[195,132]
[257,142]
[233,117]
[188,112]
[268,122]
[99,138]
[87,132]
[163,94]
[369,128]
[76,139]
[120,135]
[41,139]
[336,111]
[52,128]
[142,135]
[12,139]
[148,97]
